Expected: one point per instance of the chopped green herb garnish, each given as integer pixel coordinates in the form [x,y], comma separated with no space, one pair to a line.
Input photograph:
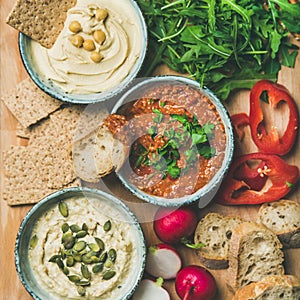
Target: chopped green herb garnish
[179,133]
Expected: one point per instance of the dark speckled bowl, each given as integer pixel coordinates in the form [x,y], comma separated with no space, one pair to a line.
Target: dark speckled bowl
[23,266]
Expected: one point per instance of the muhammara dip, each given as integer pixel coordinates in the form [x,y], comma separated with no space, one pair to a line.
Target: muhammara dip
[95,51]
[53,256]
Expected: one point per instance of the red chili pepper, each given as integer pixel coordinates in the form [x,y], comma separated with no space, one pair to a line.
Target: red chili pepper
[239,121]
[271,142]
[237,189]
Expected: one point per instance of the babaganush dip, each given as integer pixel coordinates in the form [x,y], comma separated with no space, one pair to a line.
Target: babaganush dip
[175,139]
[81,248]
[97,48]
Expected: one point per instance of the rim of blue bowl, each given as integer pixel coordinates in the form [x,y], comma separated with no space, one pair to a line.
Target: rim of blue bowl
[80,190]
[210,189]
[56,92]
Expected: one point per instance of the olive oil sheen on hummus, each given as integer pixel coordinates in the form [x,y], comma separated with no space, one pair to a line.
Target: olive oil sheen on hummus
[95,51]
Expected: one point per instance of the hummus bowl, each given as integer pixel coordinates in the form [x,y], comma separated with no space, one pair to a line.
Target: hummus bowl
[80,243]
[178,139]
[97,54]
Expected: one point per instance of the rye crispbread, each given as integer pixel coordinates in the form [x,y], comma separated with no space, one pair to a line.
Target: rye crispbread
[29,104]
[42,20]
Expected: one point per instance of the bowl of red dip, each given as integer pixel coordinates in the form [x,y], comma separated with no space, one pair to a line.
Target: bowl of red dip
[178,141]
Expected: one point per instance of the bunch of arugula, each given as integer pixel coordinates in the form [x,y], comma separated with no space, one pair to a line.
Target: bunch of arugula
[188,136]
[223,44]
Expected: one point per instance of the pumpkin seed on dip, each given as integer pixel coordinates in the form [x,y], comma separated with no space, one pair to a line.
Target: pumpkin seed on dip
[97,48]
[87,252]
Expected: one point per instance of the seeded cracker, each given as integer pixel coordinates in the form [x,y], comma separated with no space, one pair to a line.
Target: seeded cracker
[29,104]
[42,20]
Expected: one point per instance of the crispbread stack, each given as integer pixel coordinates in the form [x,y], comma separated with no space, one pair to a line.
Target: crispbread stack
[42,20]
[29,104]
[45,165]
[64,142]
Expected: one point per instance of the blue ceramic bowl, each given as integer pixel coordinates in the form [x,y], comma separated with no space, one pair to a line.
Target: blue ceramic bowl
[205,194]
[23,266]
[56,92]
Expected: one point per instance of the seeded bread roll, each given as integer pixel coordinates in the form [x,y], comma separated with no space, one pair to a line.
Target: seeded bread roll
[254,253]
[286,287]
[215,232]
[283,218]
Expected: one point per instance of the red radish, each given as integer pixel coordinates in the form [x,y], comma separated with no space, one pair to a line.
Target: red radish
[149,290]
[163,261]
[174,225]
[195,283]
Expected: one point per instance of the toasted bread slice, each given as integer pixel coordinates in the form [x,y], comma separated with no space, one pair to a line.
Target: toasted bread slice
[215,231]
[283,218]
[254,253]
[285,287]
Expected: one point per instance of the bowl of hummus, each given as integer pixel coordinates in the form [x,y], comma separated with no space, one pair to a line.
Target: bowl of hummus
[178,138]
[80,243]
[97,54]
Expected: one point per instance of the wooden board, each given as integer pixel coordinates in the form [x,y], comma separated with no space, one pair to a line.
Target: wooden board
[12,72]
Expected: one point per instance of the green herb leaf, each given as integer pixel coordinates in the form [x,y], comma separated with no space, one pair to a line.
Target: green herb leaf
[224,45]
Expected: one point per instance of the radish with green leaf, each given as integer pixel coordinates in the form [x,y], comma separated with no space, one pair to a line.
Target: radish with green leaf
[174,226]
[163,261]
[195,283]
[149,290]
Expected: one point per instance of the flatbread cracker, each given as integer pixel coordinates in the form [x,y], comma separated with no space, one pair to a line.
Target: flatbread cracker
[42,20]
[29,104]
[31,173]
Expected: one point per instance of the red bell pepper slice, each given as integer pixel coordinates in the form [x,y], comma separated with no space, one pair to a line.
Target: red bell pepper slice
[239,121]
[237,189]
[271,142]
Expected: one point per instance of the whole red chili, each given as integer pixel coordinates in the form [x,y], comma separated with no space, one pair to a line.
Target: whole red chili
[241,185]
[270,141]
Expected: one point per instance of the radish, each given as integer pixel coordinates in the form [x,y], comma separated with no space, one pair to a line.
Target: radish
[174,226]
[163,261]
[195,283]
[149,290]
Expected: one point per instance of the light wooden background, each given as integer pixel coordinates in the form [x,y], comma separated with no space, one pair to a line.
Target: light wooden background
[12,72]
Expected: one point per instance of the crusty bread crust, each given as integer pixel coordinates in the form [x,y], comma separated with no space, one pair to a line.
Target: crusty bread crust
[215,231]
[254,253]
[283,218]
[256,290]
[97,154]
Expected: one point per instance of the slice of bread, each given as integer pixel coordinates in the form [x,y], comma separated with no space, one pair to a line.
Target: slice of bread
[283,218]
[275,287]
[97,154]
[215,231]
[254,253]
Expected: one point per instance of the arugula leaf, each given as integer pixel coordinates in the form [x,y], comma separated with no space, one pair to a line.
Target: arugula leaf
[223,44]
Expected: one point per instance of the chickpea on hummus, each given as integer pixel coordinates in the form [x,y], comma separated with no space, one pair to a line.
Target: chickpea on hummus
[81,248]
[97,48]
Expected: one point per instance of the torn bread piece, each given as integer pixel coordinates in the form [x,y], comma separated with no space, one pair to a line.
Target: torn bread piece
[97,154]
[29,104]
[215,231]
[285,287]
[283,218]
[41,20]
[254,253]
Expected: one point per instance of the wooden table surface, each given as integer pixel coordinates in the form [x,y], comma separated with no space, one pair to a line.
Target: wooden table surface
[12,72]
